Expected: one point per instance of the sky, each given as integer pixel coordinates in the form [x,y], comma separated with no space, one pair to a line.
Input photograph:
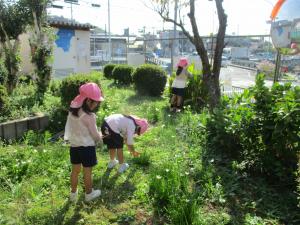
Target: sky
[244,16]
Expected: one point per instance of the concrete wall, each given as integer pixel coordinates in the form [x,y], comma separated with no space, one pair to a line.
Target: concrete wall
[15,129]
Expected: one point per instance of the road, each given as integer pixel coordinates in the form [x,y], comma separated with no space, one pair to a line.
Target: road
[238,77]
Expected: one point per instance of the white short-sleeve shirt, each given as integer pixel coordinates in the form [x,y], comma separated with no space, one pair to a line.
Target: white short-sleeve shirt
[122,125]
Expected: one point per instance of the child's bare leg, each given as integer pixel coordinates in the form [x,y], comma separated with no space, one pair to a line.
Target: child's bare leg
[87,177]
[74,176]
[173,100]
[120,155]
[179,101]
[112,154]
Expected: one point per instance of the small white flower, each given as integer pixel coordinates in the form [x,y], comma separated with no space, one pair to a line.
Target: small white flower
[158,177]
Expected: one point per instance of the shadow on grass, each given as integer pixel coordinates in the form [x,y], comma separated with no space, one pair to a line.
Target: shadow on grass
[139,99]
[249,196]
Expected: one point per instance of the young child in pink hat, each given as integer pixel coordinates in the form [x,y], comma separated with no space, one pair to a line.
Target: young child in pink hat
[82,133]
[179,85]
[116,128]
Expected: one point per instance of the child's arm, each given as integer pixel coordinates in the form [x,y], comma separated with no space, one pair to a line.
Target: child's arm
[90,122]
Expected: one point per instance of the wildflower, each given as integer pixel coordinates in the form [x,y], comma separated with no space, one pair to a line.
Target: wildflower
[158,177]
[167,170]
[187,173]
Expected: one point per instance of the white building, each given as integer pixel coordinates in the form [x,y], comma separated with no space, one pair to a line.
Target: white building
[71,53]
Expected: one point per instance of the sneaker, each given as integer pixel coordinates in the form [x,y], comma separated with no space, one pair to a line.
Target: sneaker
[73,196]
[123,167]
[93,195]
[112,164]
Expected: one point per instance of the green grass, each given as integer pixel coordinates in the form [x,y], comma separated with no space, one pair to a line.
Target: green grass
[175,181]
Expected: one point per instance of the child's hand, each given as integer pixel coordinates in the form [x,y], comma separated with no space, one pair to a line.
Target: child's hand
[135,154]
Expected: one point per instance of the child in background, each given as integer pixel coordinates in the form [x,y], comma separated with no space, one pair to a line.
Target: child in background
[179,85]
[115,129]
[81,131]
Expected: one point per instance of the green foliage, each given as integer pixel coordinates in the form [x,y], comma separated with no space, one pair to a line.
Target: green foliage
[41,58]
[3,73]
[150,80]
[122,74]
[12,62]
[54,87]
[260,128]
[169,189]
[195,95]
[69,88]
[107,70]
[36,138]
[13,18]
[4,103]
[142,160]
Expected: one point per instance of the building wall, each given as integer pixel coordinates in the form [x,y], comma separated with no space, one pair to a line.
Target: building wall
[25,52]
[71,53]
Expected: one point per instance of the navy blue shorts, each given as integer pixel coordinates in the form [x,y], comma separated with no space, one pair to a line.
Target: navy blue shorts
[112,140]
[83,155]
[178,91]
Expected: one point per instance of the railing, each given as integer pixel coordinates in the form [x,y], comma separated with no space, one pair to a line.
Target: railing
[233,91]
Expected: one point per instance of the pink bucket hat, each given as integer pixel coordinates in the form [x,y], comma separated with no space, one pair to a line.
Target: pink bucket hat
[143,123]
[88,90]
[183,62]
[294,46]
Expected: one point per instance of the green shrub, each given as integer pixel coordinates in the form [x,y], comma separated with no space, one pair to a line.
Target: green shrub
[122,74]
[260,129]
[150,80]
[3,73]
[55,87]
[3,102]
[69,88]
[108,69]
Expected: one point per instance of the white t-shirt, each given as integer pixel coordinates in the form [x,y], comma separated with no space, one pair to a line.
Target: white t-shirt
[181,79]
[122,125]
[82,130]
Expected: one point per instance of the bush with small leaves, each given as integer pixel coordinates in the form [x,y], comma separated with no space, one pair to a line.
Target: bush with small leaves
[122,74]
[150,80]
[107,70]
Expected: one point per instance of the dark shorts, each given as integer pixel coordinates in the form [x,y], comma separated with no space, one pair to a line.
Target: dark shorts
[178,91]
[112,140]
[83,155]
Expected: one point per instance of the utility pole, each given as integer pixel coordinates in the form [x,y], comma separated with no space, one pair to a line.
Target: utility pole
[174,35]
[109,35]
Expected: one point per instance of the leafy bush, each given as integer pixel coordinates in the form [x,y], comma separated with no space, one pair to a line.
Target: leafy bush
[150,80]
[3,73]
[107,70]
[122,74]
[55,87]
[260,129]
[69,88]
[3,102]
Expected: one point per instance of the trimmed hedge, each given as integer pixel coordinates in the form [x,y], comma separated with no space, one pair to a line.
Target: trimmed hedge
[150,80]
[69,87]
[107,70]
[122,74]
